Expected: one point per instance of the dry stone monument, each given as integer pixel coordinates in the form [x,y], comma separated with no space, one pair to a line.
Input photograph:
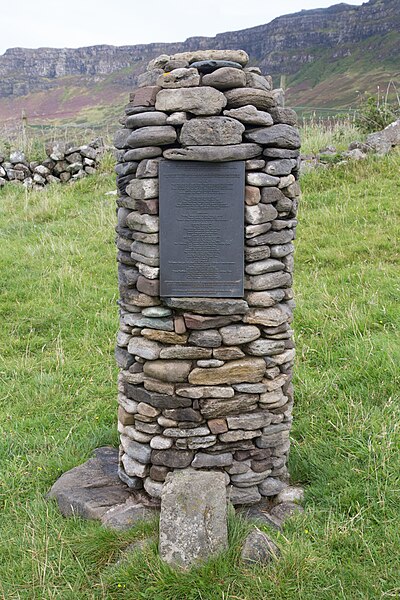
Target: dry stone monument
[208,163]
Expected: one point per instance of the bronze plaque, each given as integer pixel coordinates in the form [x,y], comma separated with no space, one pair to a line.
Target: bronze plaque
[201,229]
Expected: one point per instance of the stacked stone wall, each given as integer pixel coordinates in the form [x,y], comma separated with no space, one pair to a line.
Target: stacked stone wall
[64,163]
[206,382]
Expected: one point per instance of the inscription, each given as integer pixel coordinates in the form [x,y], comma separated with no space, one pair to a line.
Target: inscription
[201,229]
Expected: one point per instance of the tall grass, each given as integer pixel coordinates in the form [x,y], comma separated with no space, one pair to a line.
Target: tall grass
[317,133]
[58,387]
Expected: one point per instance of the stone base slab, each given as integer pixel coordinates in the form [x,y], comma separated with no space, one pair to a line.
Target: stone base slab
[93,490]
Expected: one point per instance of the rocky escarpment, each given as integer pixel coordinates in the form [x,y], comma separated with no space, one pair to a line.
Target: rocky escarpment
[283,46]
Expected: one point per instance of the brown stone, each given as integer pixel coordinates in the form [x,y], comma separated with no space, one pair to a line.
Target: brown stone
[147,207]
[145,96]
[179,325]
[151,287]
[261,99]
[175,459]
[158,473]
[161,387]
[167,337]
[124,417]
[270,317]
[231,353]
[193,321]
[236,371]
[252,195]
[212,408]
[169,370]
[217,425]
[183,414]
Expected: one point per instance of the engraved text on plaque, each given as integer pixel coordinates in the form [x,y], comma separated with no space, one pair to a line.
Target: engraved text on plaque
[201,229]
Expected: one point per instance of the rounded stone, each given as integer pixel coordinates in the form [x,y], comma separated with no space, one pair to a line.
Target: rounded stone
[157,135]
[199,101]
[211,131]
[225,78]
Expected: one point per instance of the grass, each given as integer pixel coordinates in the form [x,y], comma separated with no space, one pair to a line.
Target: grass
[58,400]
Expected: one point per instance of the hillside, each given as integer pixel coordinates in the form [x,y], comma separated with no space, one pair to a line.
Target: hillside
[326,55]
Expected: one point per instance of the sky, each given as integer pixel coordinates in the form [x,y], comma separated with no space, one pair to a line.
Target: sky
[74,23]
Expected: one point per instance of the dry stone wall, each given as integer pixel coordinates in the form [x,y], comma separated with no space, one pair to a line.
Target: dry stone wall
[65,162]
[206,382]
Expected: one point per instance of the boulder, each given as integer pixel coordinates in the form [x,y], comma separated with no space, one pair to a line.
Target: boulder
[193,520]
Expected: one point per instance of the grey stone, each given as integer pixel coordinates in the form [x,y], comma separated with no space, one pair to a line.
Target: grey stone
[148,168]
[214,153]
[225,78]
[211,131]
[272,238]
[172,458]
[144,348]
[260,213]
[175,432]
[284,115]
[261,99]
[183,414]
[156,311]
[149,78]
[230,353]
[199,101]
[239,334]
[238,56]
[120,138]
[248,495]
[202,460]
[210,363]
[190,531]
[141,153]
[271,486]
[250,421]
[179,78]
[259,548]
[137,451]
[257,81]
[188,352]
[293,494]
[280,167]
[143,189]
[177,118]
[263,347]
[163,323]
[253,254]
[126,515]
[238,435]
[383,141]
[261,179]
[133,467]
[92,488]
[283,136]
[153,488]
[208,338]
[256,230]
[268,281]
[159,442]
[146,119]
[173,63]
[209,391]
[209,306]
[267,265]
[157,400]
[249,478]
[157,135]
[285,510]
[250,388]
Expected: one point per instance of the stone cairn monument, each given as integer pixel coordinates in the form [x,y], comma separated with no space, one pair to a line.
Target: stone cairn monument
[207,172]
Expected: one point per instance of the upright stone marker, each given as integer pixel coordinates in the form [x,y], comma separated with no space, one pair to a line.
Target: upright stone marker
[201,229]
[207,180]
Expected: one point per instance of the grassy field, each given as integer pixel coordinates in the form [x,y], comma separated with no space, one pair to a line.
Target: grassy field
[58,400]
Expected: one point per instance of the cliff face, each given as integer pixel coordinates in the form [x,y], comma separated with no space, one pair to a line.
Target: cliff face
[284,46]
